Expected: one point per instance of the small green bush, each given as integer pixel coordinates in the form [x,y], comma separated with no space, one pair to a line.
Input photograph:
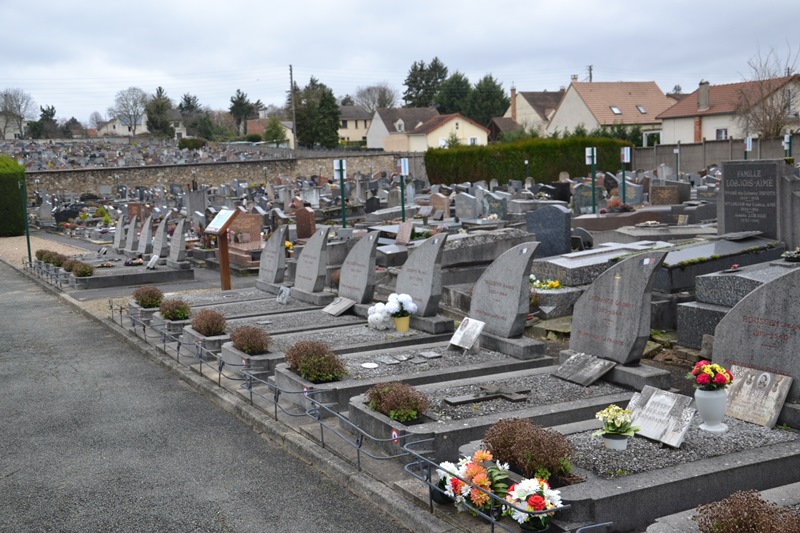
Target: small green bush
[47,256]
[745,512]
[399,401]
[57,260]
[148,296]
[315,361]
[532,450]
[251,340]
[69,264]
[253,137]
[174,309]
[209,323]
[82,270]
[39,254]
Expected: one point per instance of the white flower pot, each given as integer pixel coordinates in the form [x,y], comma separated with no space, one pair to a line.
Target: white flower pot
[711,408]
[615,442]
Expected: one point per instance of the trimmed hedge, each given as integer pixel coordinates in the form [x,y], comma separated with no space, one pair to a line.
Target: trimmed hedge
[12,214]
[546,158]
[195,143]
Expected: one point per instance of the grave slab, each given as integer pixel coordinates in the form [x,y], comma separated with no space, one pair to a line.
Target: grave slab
[583,369]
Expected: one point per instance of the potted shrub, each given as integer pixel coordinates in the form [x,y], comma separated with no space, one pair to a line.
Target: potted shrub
[399,401]
[173,315]
[315,361]
[745,510]
[146,300]
[82,270]
[616,427]
[247,349]
[532,451]
[400,307]
[207,330]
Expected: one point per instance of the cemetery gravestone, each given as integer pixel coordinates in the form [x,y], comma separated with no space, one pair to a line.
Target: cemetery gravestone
[146,237]
[552,226]
[583,369]
[661,415]
[440,202]
[160,243]
[750,197]
[421,275]
[132,239]
[273,259]
[494,204]
[306,224]
[404,233]
[612,318]
[393,199]
[372,204]
[756,396]
[310,275]
[467,207]
[119,236]
[501,296]
[357,275]
[763,330]
[177,248]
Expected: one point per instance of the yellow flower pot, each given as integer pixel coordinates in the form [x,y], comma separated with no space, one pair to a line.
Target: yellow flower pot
[402,323]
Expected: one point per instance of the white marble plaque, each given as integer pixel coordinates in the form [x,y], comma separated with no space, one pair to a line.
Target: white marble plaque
[661,415]
[338,306]
[284,295]
[756,396]
[584,369]
[467,333]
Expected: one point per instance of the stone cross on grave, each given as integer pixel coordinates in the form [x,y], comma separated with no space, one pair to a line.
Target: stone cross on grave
[491,393]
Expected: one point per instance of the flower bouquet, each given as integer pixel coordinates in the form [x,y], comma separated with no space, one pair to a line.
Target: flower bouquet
[616,421]
[378,318]
[134,262]
[792,255]
[709,376]
[105,264]
[541,285]
[470,489]
[400,305]
[532,495]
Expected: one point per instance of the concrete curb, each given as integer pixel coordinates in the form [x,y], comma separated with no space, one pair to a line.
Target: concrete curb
[327,463]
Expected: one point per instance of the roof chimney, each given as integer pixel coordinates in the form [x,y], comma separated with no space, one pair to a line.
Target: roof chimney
[702,96]
[573,77]
[513,103]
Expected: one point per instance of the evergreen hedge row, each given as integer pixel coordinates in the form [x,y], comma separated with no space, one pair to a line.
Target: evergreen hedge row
[12,213]
[546,158]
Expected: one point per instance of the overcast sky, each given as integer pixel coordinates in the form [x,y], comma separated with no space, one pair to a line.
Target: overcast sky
[77,55]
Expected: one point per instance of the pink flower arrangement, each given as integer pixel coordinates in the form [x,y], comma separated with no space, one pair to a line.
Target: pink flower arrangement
[532,495]
[710,376]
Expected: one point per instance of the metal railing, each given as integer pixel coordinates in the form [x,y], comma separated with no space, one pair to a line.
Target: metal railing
[49,274]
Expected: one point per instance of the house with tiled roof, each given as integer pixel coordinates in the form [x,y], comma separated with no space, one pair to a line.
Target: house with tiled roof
[533,109]
[258,125]
[354,123]
[712,111]
[596,104]
[396,122]
[499,126]
[436,132]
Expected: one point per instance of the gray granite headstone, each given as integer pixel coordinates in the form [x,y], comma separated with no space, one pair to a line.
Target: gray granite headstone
[311,265]
[160,242]
[393,199]
[501,296]
[612,318]
[119,235]
[467,206]
[132,238]
[763,330]
[357,275]
[756,396]
[495,204]
[177,248]
[273,258]
[421,275]
[583,369]
[661,415]
[552,226]
[146,237]
[750,197]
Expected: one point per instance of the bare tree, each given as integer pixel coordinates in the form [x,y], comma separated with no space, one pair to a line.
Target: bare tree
[96,120]
[768,102]
[376,96]
[15,107]
[129,107]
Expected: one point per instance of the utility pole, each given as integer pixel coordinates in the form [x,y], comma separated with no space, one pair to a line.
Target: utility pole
[590,73]
[294,112]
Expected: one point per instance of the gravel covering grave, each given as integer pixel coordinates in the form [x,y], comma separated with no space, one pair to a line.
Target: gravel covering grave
[545,389]
[254,307]
[448,360]
[308,319]
[219,297]
[644,455]
[339,337]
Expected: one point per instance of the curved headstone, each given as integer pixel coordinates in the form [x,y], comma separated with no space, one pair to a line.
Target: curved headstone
[132,238]
[160,243]
[612,318]
[501,296]
[177,248]
[273,258]
[357,275]
[119,236]
[146,237]
[763,330]
[313,260]
[421,275]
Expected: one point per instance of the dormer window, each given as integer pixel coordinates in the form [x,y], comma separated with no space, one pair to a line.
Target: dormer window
[641,109]
[615,110]
[399,126]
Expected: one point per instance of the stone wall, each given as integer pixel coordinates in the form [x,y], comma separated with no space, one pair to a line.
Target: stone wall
[89,180]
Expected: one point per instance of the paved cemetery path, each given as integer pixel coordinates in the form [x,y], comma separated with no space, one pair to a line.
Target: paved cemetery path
[93,437]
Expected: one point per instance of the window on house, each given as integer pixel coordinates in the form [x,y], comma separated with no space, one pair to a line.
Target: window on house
[641,109]
[399,125]
[456,125]
[615,110]
[473,141]
[344,124]
[722,134]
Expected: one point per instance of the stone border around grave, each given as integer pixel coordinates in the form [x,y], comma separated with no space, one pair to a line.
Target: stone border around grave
[138,276]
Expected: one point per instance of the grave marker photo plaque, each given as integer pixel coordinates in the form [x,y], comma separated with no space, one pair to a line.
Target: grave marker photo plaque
[467,333]
[661,415]
[756,396]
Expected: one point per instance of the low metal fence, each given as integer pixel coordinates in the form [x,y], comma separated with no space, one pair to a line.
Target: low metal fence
[51,275]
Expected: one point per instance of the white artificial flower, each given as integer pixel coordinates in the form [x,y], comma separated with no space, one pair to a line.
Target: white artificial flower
[379,307]
[405,299]
[393,297]
[411,307]
[393,307]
